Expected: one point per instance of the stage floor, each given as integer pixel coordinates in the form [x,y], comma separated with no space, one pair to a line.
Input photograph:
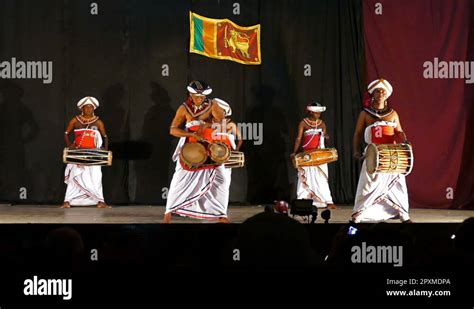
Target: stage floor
[46,214]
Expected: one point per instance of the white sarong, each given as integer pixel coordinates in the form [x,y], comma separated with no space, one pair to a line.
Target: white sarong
[380,196]
[313,183]
[84,183]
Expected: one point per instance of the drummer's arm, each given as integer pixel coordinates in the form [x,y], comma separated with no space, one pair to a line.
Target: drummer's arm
[103,132]
[325,131]
[400,135]
[177,123]
[69,129]
[359,130]
[235,131]
[298,138]
[218,112]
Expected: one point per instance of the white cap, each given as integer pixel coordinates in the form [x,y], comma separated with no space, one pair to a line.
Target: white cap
[316,108]
[88,100]
[380,83]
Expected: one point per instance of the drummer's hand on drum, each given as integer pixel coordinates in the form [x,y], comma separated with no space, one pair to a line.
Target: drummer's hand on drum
[72,146]
[292,155]
[198,137]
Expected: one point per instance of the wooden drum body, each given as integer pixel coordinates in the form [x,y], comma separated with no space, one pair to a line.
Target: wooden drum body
[87,156]
[236,159]
[389,158]
[195,156]
[315,157]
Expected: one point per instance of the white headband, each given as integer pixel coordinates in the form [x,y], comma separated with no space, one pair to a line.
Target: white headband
[380,83]
[88,100]
[203,93]
[316,109]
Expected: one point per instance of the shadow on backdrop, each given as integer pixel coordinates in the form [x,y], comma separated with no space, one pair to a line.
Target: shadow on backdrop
[153,170]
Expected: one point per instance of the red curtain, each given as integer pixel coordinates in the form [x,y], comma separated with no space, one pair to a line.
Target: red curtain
[402,40]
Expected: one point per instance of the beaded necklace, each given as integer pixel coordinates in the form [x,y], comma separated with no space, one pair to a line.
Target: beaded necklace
[85,121]
[312,123]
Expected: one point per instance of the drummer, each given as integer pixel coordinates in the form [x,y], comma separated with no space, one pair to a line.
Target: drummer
[201,193]
[84,183]
[313,180]
[379,196]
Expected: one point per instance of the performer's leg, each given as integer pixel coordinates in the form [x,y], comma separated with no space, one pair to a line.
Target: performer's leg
[167,218]
[223,220]
[103,205]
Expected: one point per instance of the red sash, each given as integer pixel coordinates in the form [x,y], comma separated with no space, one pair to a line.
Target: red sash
[383,134]
[85,138]
[311,141]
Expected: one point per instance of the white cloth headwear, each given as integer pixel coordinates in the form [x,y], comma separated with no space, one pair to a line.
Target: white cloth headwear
[225,106]
[88,100]
[199,88]
[380,83]
[318,108]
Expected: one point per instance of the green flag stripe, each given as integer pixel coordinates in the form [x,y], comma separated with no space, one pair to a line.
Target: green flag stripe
[198,34]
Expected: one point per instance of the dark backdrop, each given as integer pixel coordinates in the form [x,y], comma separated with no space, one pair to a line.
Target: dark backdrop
[118,56]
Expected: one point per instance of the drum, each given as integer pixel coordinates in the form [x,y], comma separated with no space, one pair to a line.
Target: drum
[236,159]
[389,158]
[219,152]
[87,156]
[315,157]
[193,154]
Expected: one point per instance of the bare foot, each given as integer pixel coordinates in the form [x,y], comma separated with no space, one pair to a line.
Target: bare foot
[332,206]
[103,205]
[66,205]
[223,220]
[167,218]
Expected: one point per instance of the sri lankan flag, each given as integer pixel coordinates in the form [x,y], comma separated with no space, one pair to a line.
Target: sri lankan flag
[222,39]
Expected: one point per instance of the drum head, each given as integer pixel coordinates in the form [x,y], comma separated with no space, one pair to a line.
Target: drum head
[193,154]
[219,152]
[371,158]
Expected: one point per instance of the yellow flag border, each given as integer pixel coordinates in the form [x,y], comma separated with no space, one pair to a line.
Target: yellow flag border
[193,50]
